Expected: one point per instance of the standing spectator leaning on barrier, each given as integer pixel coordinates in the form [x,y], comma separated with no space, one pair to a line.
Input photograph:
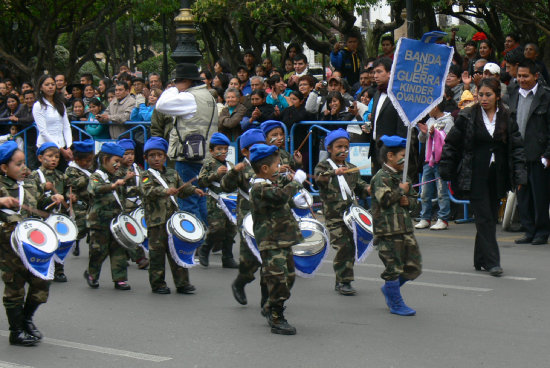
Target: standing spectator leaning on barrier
[52,122]
[119,110]
[229,122]
[530,108]
[196,119]
[346,59]
[483,157]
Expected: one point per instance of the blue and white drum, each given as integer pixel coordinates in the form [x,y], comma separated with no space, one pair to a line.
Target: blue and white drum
[35,242]
[228,204]
[248,234]
[185,234]
[359,222]
[67,233]
[126,231]
[139,215]
[303,200]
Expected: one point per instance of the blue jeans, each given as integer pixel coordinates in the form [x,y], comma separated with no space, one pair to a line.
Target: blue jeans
[193,204]
[428,193]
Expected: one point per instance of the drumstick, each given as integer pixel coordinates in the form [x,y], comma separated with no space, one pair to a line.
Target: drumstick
[303,142]
[63,203]
[71,211]
[187,182]
[38,212]
[356,169]
[50,206]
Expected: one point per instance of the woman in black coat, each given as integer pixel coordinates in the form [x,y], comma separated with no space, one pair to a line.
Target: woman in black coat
[483,158]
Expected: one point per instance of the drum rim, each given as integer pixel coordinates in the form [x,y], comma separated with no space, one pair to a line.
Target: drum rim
[319,228]
[360,209]
[116,224]
[197,221]
[70,220]
[55,238]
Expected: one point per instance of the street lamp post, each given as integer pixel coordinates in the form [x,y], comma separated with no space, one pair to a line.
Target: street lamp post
[187,50]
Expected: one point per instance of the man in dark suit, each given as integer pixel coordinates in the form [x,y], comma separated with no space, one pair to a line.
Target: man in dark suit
[530,106]
[386,121]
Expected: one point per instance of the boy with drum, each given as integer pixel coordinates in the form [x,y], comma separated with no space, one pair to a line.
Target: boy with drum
[107,197]
[238,178]
[276,231]
[337,189]
[392,201]
[221,231]
[132,190]
[13,194]
[159,185]
[51,181]
[78,174]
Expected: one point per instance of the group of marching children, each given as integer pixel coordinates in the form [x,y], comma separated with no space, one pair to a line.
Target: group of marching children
[102,187]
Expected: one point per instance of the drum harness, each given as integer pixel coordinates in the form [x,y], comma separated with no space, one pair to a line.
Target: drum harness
[106,180]
[135,200]
[162,182]
[242,192]
[86,172]
[344,187]
[49,192]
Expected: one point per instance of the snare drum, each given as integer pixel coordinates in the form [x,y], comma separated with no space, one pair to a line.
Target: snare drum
[186,233]
[309,254]
[66,231]
[359,221]
[360,216]
[139,215]
[303,210]
[126,231]
[35,242]
[248,235]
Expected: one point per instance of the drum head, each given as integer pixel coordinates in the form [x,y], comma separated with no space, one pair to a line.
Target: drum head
[38,234]
[186,227]
[64,227]
[315,238]
[308,197]
[361,217]
[248,225]
[139,215]
[127,231]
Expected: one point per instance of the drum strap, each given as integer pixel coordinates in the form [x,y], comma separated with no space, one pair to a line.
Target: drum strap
[136,171]
[21,194]
[76,166]
[162,182]
[344,187]
[106,180]
[43,181]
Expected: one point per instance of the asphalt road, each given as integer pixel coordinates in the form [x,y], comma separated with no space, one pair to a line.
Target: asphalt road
[464,318]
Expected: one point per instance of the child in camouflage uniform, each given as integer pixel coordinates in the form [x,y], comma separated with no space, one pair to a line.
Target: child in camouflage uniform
[159,185]
[276,231]
[337,190]
[239,178]
[15,275]
[132,190]
[78,174]
[275,136]
[107,196]
[51,181]
[221,230]
[393,228]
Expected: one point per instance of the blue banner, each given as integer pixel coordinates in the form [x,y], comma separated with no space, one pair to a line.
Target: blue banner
[182,252]
[62,251]
[418,74]
[37,262]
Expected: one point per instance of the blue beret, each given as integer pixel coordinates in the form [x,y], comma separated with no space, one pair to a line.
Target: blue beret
[156,143]
[6,151]
[394,141]
[259,151]
[112,149]
[44,147]
[86,146]
[127,144]
[219,139]
[268,125]
[252,136]
[334,135]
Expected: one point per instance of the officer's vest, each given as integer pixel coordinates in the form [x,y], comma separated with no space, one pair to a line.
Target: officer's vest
[206,111]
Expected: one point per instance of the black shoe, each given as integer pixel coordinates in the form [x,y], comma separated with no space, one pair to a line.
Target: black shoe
[229,263]
[60,277]
[28,325]
[203,259]
[539,240]
[162,290]
[18,336]
[187,289]
[524,240]
[94,284]
[279,325]
[495,271]
[122,285]
[76,250]
[344,288]
[238,291]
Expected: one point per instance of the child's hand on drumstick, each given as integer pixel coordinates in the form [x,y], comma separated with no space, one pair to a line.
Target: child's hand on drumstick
[221,170]
[340,170]
[405,187]
[72,198]
[118,183]
[284,168]
[57,198]
[9,202]
[129,175]
[298,157]
[200,192]
[49,186]
[239,166]
[171,191]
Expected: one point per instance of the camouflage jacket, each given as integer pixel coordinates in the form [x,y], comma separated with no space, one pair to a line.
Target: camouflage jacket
[388,217]
[103,206]
[60,183]
[334,204]
[133,200]
[274,224]
[157,206]
[239,180]
[288,159]
[78,180]
[208,176]
[10,188]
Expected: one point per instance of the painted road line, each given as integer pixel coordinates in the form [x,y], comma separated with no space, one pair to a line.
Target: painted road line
[12,365]
[422,234]
[442,286]
[100,349]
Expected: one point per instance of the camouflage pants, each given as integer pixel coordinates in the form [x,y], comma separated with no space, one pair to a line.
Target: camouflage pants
[220,231]
[341,239]
[278,274]
[102,244]
[401,256]
[136,254]
[15,275]
[158,252]
[248,263]
[80,219]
